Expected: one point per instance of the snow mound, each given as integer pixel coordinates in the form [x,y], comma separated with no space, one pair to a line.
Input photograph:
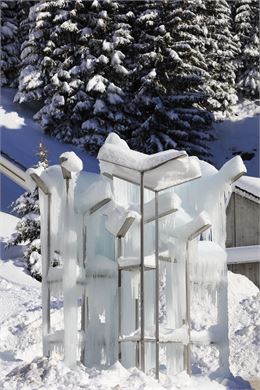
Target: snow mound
[244,326]
[240,288]
[244,323]
[43,373]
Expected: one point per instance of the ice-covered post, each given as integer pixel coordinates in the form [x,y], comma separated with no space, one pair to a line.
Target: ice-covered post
[70,165]
[229,173]
[185,234]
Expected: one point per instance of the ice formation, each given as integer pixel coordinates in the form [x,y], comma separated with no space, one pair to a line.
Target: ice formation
[108,240]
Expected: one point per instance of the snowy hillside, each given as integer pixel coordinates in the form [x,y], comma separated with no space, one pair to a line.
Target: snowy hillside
[21,366]
[239,135]
[20,138]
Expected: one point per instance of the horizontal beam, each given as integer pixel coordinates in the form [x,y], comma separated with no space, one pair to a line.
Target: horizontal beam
[243,254]
[13,172]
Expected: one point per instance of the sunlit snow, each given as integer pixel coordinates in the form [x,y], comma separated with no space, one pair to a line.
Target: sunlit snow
[10,120]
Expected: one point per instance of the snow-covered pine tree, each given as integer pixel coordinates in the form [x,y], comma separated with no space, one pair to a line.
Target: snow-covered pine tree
[86,89]
[23,10]
[34,72]
[222,49]
[247,29]
[9,43]
[101,105]
[28,228]
[27,232]
[168,82]
[61,53]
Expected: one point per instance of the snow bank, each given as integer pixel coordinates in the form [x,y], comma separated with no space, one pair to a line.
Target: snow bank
[244,318]
[43,373]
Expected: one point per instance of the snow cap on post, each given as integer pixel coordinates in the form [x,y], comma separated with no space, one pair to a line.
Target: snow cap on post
[233,169]
[70,162]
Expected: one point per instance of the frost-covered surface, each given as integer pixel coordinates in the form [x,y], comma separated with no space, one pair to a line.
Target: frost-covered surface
[20,342]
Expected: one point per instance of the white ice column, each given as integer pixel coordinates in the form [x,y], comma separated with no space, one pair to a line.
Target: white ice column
[69,254]
[70,165]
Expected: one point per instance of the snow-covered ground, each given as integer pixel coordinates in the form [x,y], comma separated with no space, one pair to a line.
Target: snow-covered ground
[22,367]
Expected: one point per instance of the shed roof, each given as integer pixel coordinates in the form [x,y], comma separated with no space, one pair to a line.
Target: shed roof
[248,187]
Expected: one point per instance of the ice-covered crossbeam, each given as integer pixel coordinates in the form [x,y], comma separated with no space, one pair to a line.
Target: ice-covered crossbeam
[167,203]
[194,228]
[232,170]
[92,193]
[160,170]
[119,219]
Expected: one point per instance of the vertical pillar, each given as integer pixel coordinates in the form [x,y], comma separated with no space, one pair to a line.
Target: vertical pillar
[46,253]
[137,356]
[188,316]
[157,288]
[83,323]
[69,253]
[119,253]
[142,324]
[222,302]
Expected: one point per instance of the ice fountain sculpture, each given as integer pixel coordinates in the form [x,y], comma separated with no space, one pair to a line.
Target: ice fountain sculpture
[109,239]
[169,241]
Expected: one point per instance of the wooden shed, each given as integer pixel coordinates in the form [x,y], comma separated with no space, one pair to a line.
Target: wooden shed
[243,229]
